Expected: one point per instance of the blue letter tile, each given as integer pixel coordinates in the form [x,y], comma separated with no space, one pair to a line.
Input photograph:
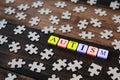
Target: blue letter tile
[102,53]
[82,48]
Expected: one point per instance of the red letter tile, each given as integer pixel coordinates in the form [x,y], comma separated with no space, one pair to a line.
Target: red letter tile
[62,43]
[92,51]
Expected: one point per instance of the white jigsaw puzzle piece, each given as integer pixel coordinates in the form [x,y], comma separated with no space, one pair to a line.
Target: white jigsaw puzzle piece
[31,49]
[114,5]
[3,23]
[66,28]
[34,21]
[82,24]
[116,44]
[60,4]
[94,69]
[47,54]
[47,30]
[118,29]
[59,65]
[21,16]
[33,36]
[85,35]
[74,1]
[14,47]
[19,29]
[23,7]
[114,72]
[11,76]
[100,12]
[10,10]
[16,63]
[54,77]
[9,1]
[3,39]
[79,9]
[75,77]
[37,67]
[44,11]
[37,4]
[54,19]
[75,65]
[106,34]
[116,19]
[92,2]
[66,15]
[96,22]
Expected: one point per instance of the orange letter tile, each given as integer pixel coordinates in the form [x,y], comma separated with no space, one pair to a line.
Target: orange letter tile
[92,51]
[62,43]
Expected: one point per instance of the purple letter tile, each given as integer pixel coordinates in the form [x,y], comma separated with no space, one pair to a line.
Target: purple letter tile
[82,48]
[102,53]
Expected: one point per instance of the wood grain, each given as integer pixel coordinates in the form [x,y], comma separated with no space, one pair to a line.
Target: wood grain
[4,74]
[25,73]
[6,56]
[107,20]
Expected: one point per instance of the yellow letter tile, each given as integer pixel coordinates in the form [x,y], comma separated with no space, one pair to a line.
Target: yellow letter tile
[53,40]
[72,45]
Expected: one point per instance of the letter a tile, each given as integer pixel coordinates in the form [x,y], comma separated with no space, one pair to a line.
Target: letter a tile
[53,40]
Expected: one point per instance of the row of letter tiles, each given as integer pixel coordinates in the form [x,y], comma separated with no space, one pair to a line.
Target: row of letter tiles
[79,47]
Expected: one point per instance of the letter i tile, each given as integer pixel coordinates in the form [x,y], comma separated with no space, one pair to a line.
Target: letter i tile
[82,48]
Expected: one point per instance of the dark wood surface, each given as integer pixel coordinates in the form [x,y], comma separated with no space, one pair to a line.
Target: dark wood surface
[4,73]
[75,18]
[6,56]
[26,74]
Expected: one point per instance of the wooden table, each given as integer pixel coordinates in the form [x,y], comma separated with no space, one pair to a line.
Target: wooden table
[25,74]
